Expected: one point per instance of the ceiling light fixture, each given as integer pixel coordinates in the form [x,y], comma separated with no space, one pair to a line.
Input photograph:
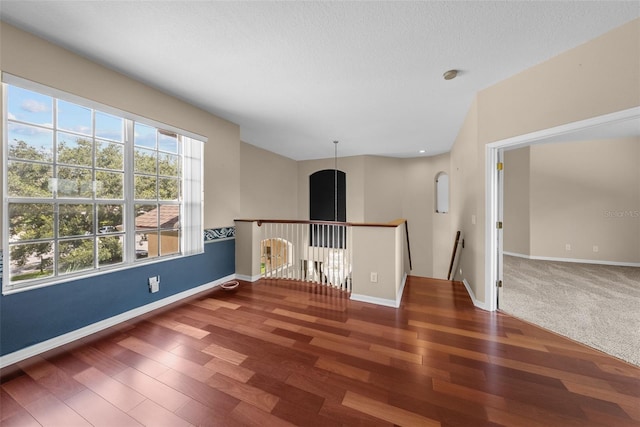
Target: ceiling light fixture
[422,151]
[451,74]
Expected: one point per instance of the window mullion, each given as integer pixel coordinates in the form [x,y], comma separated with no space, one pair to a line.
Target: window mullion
[5,185]
[129,182]
[54,195]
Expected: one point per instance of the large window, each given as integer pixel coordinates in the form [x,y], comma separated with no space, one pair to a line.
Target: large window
[88,189]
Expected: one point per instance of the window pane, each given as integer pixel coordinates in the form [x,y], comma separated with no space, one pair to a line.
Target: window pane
[109,155]
[145,188]
[75,220]
[145,161]
[75,255]
[169,242]
[167,141]
[75,118]
[109,127]
[169,216]
[109,185]
[168,165]
[30,221]
[168,188]
[30,107]
[30,143]
[142,245]
[149,247]
[110,250]
[110,216]
[75,150]
[146,217]
[29,179]
[74,182]
[145,136]
[31,261]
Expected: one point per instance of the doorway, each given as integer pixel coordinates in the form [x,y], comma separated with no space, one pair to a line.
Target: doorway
[616,124]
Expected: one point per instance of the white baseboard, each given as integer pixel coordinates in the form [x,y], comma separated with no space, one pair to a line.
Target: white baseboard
[375,300]
[248,278]
[575,260]
[52,343]
[383,301]
[475,301]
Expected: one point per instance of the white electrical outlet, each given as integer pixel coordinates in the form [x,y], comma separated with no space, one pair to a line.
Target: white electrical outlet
[567,247]
[595,248]
[374,277]
[154,284]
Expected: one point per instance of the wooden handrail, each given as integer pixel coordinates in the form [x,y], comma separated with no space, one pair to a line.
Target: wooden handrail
[394,223]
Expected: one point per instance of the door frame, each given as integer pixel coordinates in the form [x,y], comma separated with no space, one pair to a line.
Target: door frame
[493,208]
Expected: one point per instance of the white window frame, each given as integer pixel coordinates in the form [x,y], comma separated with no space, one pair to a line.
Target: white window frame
[191,202]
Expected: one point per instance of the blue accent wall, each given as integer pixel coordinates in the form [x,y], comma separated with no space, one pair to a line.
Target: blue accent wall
[33,316]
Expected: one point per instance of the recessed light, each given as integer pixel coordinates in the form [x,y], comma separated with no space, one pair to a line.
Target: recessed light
[422,151]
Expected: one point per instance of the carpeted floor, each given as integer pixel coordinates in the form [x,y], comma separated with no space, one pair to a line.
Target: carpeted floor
[598,305]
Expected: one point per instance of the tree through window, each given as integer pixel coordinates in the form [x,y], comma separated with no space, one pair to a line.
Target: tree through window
[73,205]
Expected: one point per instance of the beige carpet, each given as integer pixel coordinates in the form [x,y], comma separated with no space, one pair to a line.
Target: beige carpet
[598,305]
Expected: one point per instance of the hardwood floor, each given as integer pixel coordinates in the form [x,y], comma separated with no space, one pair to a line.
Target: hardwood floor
[279,353]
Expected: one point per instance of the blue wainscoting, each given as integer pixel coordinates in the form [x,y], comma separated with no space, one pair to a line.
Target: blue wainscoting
[37,315]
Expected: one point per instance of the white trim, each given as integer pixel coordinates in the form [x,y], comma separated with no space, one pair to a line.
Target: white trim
[472,295]
[50,344]
[491,232]
[544,134]
[383,301]
[491,195]
[375,300]
[249,278]
[574,260]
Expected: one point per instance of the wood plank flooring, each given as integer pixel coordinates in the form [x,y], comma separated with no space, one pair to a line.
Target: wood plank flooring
[281,353]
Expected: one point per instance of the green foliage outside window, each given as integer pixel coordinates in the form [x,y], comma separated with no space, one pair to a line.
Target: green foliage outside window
[66,184]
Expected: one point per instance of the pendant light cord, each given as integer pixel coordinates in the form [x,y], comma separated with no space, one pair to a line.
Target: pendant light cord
[335,181]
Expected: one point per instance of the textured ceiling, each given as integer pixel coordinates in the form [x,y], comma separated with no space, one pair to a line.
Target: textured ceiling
[298,75]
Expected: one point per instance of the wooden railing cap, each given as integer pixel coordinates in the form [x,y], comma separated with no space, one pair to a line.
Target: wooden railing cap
[394,223]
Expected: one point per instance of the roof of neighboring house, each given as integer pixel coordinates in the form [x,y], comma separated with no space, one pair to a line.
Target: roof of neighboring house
[169,217]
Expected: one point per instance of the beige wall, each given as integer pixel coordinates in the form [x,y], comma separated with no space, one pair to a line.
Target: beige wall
[268,184]
[383,188]
[466,207]
[32,58]
[430,233]
[584,194]
[516,217]
[573,86]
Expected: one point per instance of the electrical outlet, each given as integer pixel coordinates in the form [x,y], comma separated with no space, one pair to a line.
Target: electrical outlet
[374,277]
[461,271]
[567,247]
[595,248]
[154,284]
